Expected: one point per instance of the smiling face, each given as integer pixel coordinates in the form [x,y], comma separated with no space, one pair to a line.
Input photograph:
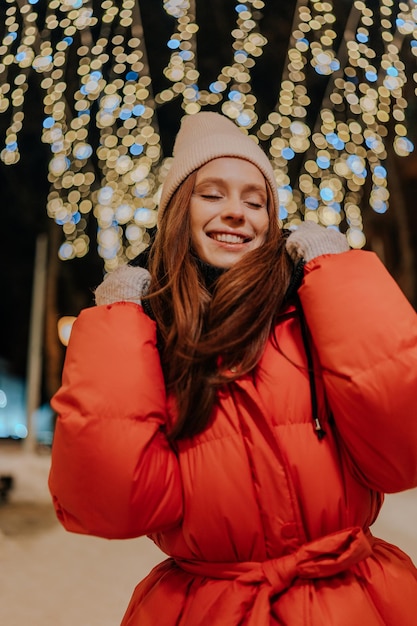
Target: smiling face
[228,211]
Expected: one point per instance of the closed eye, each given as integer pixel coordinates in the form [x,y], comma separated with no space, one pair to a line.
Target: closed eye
[255,205]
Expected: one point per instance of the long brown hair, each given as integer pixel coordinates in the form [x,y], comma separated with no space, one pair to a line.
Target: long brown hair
[204,336]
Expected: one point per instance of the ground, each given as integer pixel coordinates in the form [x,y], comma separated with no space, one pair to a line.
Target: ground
[49,577]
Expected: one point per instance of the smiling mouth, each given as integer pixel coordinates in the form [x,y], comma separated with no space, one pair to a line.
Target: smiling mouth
[229,238]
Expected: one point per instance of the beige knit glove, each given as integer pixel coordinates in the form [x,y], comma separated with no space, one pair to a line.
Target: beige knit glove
[310,240]
[125,284]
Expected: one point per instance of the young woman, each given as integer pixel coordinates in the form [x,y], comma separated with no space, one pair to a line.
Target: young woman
[248,429]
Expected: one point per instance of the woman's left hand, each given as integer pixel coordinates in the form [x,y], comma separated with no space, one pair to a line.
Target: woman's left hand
[310,240]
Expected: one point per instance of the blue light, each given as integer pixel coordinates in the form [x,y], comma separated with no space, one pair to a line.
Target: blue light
[68,40]
[76,217]
[20,431]
[335,141]
[136,149]
[380,171]
[173,44]
[185,55]
[392,71]
[326,194]
[334,65]
[142,215]
[304,41]
[409,146]
[283,213]
[244,119]
[11,147]
[371,76]
[288,153]
[379,206]
[235,96]
[371,142]
[311,203]
[138,110]
[83,151]
[323,162]
[125,114]
[240,7]
[361,37]
[48,122]
[13,35]
[96,75]
[20,56]
[356,165]
[331,138]
[3,399]
[132,75]
[83,90]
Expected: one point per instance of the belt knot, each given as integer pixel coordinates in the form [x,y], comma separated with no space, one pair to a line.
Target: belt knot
[321,558]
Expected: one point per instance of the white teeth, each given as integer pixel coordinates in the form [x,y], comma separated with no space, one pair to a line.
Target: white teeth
[226,238]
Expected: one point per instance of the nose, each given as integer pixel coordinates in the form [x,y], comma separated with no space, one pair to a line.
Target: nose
[233,210]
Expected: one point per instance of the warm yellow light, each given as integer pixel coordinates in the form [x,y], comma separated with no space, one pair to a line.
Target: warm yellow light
[64,328]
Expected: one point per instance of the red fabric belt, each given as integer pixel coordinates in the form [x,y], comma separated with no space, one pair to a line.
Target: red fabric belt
[322,558]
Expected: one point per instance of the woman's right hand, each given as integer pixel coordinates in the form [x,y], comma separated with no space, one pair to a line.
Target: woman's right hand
[125,284]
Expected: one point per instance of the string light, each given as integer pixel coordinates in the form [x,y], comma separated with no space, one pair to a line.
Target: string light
[348,141]
[106,156]
[232,85]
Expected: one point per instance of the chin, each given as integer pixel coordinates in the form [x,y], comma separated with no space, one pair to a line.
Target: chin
[224,262]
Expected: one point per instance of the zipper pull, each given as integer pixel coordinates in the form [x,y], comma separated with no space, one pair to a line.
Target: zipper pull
[320,432]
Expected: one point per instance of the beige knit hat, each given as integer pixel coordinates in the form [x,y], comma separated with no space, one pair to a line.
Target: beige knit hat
[206,136]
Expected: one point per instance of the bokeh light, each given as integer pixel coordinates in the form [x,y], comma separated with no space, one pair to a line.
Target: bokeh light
[321,171]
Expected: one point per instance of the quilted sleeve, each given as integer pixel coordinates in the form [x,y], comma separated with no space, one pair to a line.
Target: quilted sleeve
[113,472]
[365,334]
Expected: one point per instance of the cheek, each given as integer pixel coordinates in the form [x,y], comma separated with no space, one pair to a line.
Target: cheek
[200,215]
[195,226]
[263,225]
[196,230]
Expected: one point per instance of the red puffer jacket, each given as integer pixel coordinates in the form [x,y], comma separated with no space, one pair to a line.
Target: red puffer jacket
[264,523]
